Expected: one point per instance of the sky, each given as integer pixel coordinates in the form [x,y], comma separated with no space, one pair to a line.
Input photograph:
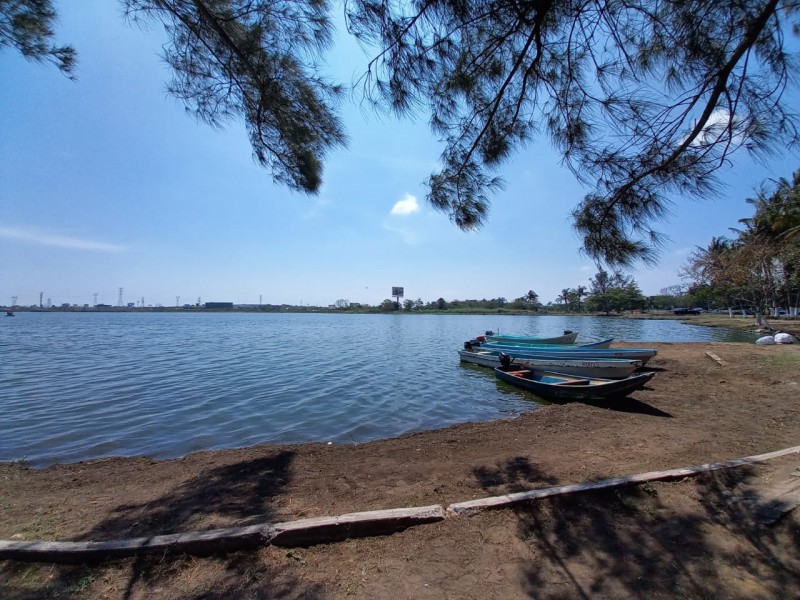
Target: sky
[106,183]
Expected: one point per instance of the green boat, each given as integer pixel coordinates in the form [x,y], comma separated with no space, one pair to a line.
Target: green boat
[568,337]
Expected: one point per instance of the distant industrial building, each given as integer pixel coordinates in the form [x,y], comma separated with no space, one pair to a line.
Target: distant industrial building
[228,305]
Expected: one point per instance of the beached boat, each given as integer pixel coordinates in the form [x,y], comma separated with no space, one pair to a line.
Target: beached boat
[568,337]
[571,352]
[558,386]
[609,369]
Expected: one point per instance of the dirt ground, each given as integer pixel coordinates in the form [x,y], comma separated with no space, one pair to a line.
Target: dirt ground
[694,538]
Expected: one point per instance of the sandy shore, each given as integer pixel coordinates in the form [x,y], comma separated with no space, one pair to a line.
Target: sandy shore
[669,539]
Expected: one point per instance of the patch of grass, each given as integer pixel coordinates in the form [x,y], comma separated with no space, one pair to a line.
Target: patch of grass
[780,359]
[626,499]
[351,589]
[296,556]
[649,489]
[80,586]
[526,535]
[651,512]
[252,576]
[27,576]
[43,528]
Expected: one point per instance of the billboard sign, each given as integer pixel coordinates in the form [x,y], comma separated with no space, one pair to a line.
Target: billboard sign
[397,292]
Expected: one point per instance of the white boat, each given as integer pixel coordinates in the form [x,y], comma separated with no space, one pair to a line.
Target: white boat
[605,368]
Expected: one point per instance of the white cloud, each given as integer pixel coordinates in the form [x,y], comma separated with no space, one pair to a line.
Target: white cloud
[406,206]
[49,239]
[718,122]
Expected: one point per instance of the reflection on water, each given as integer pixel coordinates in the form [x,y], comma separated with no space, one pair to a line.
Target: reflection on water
[77,386]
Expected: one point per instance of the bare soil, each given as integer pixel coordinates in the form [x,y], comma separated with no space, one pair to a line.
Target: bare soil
[691,539]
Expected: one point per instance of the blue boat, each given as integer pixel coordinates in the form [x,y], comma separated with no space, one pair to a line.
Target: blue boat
[573,352]
[613,368]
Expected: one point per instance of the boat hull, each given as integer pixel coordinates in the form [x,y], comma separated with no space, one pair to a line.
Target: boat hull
[557,386]
[610,369]
[566,338]
[522,345]
[641,354]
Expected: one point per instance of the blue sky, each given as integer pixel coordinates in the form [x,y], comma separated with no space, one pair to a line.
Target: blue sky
[105,183]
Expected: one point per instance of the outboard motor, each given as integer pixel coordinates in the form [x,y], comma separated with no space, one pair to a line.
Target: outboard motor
[505,359]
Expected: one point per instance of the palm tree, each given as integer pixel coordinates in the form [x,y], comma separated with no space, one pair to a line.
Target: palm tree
[532,299]
[580,292]
[776,225]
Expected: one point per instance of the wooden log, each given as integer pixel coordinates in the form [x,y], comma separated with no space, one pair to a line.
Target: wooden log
[716,359]
[328,529]
[474,506]
[307,532]
[303,532]
[197,542]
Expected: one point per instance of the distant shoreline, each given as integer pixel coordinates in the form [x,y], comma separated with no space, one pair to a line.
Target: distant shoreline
[738,322]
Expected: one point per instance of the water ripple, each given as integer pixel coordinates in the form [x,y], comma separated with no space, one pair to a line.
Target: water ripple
[77,386]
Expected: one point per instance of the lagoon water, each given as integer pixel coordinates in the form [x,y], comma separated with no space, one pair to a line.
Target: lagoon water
[78,386]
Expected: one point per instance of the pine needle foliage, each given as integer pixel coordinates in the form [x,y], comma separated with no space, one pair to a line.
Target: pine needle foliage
[644,99]
[255,60]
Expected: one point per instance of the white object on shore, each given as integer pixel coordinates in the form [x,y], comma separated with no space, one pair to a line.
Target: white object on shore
[767,340]
[784,338]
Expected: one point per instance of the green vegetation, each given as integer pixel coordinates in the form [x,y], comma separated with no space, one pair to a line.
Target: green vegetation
[608,293]
[759,269]
[782,359]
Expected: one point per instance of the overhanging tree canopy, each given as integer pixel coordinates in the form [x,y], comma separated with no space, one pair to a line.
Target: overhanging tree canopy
[643,98]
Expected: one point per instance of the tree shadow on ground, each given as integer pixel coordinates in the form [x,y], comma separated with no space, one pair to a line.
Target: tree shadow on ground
[235,575]
[684,539]
[221,497]
[514,475]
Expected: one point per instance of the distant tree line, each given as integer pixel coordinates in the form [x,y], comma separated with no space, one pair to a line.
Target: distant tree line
[607,293]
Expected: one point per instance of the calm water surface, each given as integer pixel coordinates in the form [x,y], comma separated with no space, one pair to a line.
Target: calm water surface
[77,386]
